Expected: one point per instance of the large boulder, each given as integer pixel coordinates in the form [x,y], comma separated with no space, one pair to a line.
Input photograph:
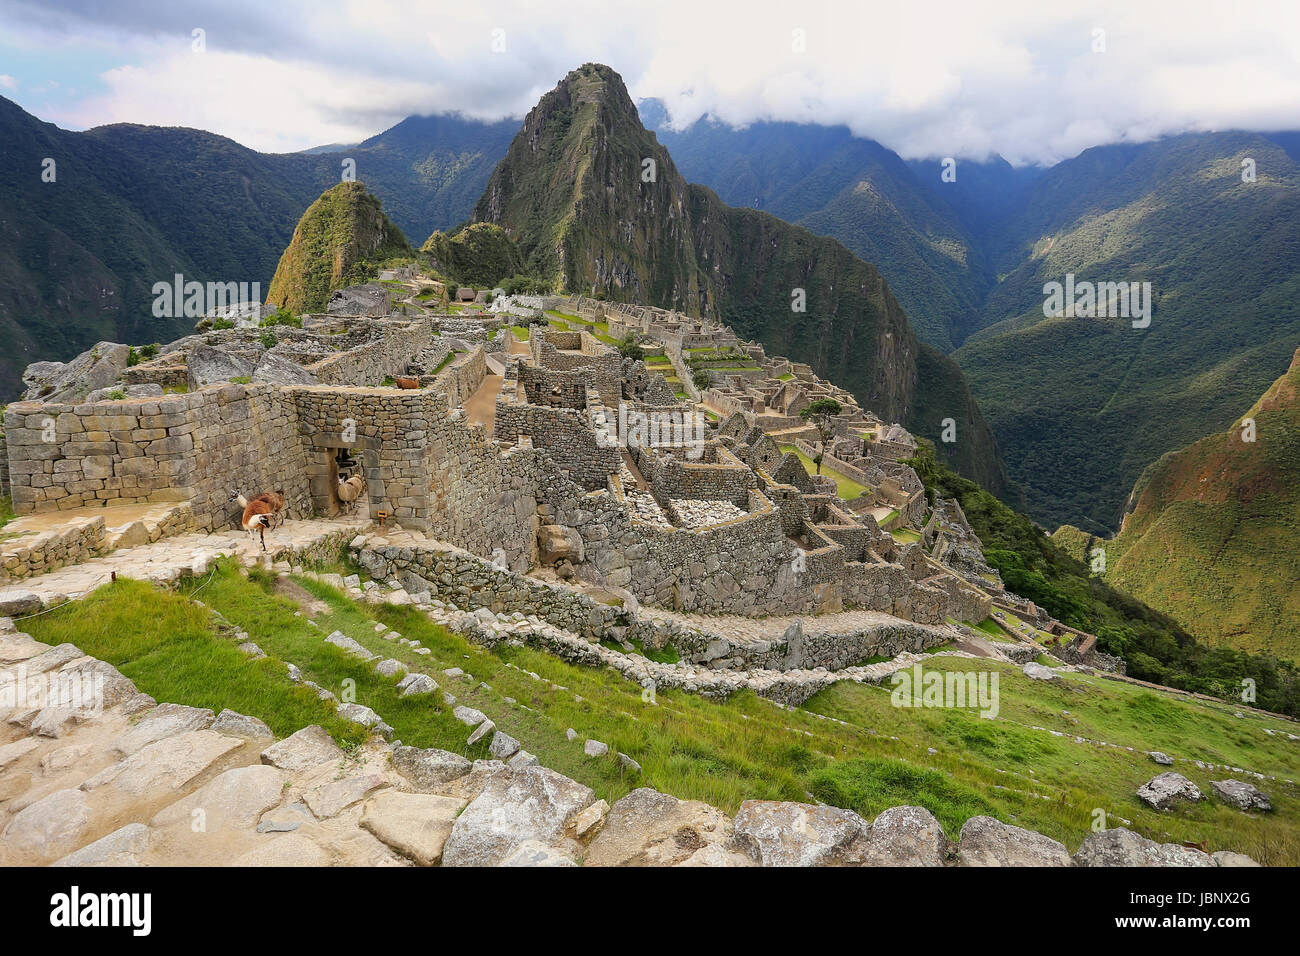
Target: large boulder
[415,825]
[429,769]
[530,803]
[1164,790]
[52,827]
[1121,847]
[558,543]
[649,828]
[369,299]
[98,367]
[1242,795]
[989,842]
[795,834]
[308,748]
[903,836]
[278,370]
[147,390]
[208,364]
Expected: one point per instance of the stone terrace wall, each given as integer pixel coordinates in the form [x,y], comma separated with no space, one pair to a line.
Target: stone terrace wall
[462,378]
[201,446]
[469,582]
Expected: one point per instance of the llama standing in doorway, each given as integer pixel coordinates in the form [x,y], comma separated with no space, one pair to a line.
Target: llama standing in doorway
[349,492]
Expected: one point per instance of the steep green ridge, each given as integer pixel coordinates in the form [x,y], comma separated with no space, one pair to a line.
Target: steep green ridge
[478,255]
[342,239]
[853,190]
[1213,534]
[1082,406]
[1154,646]
[574,192]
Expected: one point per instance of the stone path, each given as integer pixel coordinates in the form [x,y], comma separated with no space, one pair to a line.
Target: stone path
[481,407]
[168,559]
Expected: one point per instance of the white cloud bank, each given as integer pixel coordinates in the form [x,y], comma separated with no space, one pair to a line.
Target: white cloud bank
[1021,78]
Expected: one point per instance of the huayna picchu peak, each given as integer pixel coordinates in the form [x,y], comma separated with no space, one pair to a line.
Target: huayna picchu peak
[598,208]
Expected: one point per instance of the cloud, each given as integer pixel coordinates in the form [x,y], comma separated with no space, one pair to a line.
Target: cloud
[7,82]
[945,78]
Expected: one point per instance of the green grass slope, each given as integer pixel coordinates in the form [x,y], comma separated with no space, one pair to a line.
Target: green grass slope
[873,755]
[1212,536]
[1153,644]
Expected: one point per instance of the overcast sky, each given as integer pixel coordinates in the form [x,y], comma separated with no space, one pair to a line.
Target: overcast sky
[1032,80]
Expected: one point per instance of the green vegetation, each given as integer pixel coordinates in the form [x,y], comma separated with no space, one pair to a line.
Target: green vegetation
[1154,647]
[848,488]
[480,255]
[171,648]
[1220,554]
[342,239]
[1082,406]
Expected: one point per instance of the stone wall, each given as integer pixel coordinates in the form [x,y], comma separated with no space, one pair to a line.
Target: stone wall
[388,354]
[462,378]
[461,578]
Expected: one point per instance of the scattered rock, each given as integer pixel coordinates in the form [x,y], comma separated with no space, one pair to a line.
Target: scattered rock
[530,803]
[649,828]
[309,747]
[241,725]
[1242,795]
[1229,858]
[1035,671]
[503,746]
[122,847]
[429,769]
[536,853]
[1162,758]
[1164,790]
[903,836]
[1121,847]
[594,748]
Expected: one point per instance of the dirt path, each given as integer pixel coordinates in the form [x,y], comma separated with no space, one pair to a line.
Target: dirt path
[481,407]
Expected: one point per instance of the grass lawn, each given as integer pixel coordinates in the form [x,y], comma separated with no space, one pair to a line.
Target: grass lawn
[169,647]
[847,488]
[905,535]
[520,331]
[722,752]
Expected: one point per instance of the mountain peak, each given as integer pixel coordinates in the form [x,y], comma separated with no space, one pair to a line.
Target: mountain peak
[340,239]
